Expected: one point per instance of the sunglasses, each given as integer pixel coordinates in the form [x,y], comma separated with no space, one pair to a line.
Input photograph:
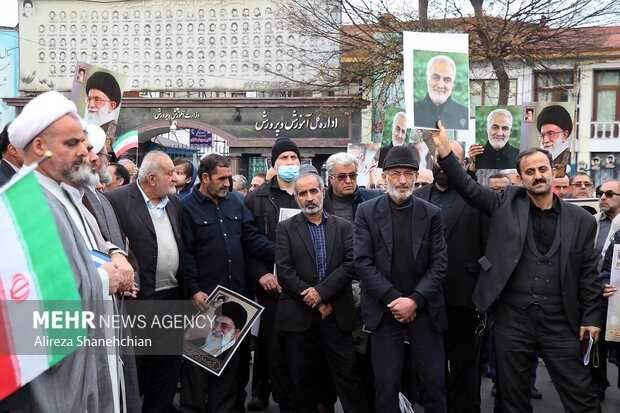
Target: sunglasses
[608,194]
[343,177]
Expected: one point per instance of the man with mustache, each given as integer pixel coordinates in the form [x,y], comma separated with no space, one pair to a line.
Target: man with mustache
[150,215]
[438,103]
[103,98]
[50,122]
[314,259]
[539,274]
[555,126]
[465,237]
[217,232]
[401,258]
[498,153]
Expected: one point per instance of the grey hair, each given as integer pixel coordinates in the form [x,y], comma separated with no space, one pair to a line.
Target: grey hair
[498,112]
[341,159]
[439,58]
[303,175]
[151,164]
[125,162]
[396,117]
[241,181]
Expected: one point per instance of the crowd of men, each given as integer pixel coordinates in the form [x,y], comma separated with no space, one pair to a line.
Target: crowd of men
[367,293]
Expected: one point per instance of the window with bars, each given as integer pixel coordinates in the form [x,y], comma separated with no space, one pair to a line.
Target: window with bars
[486,93]
[553,86]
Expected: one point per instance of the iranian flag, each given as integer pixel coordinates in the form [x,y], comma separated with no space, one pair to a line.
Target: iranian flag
[125,142]
[34,272]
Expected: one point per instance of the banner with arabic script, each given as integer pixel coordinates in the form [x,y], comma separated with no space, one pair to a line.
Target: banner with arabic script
[8,73]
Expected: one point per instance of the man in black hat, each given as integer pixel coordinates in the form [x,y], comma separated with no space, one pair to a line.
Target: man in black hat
[403,292]
[555,126]
[270,371]
[103,98]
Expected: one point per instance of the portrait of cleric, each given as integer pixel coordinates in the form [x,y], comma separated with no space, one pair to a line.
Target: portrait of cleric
[216,333]
[441,90]
[555,126]
[221,331]
[498,131]
[103,100]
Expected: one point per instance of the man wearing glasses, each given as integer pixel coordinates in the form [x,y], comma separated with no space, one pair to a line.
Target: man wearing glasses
[342,199]
[343,194]
[555,126]
[402,260]
[581,186]
[425,177]
[609,205]
[103,98]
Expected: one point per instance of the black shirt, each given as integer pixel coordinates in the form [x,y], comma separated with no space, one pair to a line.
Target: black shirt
[544,223]
[402,258]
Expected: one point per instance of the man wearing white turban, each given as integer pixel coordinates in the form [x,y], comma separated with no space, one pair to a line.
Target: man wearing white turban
[81,381]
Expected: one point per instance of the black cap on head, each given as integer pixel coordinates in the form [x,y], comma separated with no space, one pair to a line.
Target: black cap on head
[400,157]
[283,145]
[106,83]
[555,115]
[235,312]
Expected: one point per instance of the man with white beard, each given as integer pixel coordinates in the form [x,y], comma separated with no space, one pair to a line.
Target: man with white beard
[229,321]
[498,153]
[438,103]
[104,97]
[555,126]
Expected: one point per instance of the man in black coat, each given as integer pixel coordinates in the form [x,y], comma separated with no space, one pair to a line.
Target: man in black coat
[401,258]
[464,231]
[12,158]
[314,257]
[150,215]
[539,270]
[438,103]
[498,153]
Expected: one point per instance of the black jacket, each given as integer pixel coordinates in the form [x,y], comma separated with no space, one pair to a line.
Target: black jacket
[360,195]
[453,115]
[465,234]
[264,203]
[509,211]
[297,271]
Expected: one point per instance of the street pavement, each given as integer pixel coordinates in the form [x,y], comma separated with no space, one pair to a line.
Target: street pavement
[550,403]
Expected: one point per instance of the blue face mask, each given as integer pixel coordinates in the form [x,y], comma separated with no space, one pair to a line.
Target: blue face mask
[288,172]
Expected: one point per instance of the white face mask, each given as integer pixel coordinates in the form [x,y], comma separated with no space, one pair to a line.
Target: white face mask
[102,116]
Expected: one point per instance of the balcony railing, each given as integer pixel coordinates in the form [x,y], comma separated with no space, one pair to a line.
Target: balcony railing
[605,130]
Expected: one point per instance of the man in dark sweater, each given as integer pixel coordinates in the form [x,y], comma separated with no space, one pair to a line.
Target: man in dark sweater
[401,258]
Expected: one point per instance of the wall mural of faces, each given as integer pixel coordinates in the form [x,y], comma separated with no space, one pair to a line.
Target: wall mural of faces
[243,38]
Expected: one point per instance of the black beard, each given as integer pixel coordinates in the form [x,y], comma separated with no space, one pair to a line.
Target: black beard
[440,176]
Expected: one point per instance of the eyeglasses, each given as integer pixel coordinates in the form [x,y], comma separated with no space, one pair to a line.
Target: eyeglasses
[608,193]
[548,135]
[381,186]
[96,100]
[397,175]
[343,177]
[420,184]
[580,184]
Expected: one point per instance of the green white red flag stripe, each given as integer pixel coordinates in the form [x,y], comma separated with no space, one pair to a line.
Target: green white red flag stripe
[34,268]
[125,142]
